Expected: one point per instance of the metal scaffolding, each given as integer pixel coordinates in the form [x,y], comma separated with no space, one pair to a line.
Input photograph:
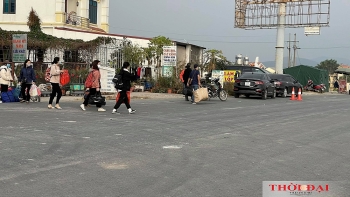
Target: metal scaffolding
[265,13]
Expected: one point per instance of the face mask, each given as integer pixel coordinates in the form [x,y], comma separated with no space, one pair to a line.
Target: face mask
[28,64]
[99,66]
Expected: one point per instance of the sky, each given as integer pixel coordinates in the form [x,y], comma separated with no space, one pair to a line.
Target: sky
[210,24]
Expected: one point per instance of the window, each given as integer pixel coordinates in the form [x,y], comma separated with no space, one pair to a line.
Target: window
[257,70]
[9,7]
[93,11]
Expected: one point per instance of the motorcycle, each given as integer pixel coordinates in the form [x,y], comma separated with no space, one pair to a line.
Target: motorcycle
[215,90]
[321,88]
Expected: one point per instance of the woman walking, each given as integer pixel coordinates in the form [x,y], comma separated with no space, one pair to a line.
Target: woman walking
[27,78]
[127,77]
[5,78]
[55,74]
[95,87]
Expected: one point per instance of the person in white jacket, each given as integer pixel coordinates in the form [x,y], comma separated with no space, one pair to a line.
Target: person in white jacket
[5,77]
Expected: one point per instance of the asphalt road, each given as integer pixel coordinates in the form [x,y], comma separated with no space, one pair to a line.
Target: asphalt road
[171,148]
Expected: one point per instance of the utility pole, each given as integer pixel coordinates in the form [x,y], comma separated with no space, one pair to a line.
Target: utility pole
[295,47]
[289,51]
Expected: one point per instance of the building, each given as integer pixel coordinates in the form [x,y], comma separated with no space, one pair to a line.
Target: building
[81,19]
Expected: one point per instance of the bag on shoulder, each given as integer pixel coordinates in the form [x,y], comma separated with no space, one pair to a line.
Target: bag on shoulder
[47,74]
[89,81]
[64,78]
[118,82]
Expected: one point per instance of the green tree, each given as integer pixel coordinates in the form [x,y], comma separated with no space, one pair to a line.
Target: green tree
[133,54]
[330,65]
[214,59]
[157,44]
[149,54]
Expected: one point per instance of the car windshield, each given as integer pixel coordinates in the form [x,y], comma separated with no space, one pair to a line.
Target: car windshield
[266,71]
[278,77]
[252,76]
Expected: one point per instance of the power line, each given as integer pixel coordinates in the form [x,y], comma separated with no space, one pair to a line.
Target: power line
[192,34]
[336,47]
[223,41]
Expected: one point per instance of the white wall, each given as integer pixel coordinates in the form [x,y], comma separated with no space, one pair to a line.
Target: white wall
[44,8]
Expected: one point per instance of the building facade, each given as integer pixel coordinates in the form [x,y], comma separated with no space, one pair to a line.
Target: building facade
[81,19]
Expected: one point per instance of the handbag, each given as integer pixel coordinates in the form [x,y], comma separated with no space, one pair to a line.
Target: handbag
[200,94]
[97,99]
[188,91]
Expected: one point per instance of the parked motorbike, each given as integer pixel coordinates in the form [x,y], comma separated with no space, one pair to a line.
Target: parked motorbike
[215,90]
[321,88]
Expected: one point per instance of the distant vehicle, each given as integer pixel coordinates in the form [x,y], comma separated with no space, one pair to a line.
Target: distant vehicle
[240,70]
[254,84]
[284,84]
[310,86]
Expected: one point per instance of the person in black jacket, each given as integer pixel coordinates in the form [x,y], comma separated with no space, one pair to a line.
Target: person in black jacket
[186,76]
[127,77]
[27,79]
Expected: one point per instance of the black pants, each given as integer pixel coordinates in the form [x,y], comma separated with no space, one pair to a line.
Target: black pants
[55,90]
[92,92]
[23,91]
[123,97]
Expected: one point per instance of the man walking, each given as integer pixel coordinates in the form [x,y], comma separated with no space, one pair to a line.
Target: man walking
[184,77]
[194,80]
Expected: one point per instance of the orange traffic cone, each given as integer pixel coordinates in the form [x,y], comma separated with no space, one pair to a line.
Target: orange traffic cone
[299,95]
[292,98]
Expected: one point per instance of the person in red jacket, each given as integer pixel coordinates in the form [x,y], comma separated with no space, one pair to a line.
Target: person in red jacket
[95,88]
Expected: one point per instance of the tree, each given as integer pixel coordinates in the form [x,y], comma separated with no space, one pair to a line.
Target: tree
[329,65]
[133,54]
[34,22]
[214,59]
[149,54]
[157,43]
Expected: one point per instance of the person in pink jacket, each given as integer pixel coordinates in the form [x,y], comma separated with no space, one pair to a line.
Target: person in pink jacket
[55,75]
[95,88]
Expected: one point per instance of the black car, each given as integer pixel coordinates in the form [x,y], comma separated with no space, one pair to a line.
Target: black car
[254,84]
[284,84]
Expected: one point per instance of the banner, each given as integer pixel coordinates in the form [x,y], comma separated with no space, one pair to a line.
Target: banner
[218,74]
[167,71]
[169,56]
[107,75]
[19,47]
[231,75]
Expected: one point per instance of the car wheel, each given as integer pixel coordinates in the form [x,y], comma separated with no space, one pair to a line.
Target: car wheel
[236,95]
[285,92]
[247,95]
[264,95]
[273,94]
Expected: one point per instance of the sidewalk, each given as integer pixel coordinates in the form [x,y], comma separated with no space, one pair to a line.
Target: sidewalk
[134,95]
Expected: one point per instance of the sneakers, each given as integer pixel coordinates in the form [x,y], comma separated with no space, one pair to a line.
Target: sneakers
[101,109]
[132,111]
[57,106]
[49,106]
[82,107]
[193,103]
[114,111]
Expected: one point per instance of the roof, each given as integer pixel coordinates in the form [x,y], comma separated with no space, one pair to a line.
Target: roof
[183,43]
[119,35]
[101,33]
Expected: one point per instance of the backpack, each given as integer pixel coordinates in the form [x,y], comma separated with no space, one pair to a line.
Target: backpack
[64,78]
[47,74]
[118,82]
[88,81]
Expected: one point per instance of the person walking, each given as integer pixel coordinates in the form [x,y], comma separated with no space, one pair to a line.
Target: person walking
[26,78]
[95,87]
[55,74]
[194,80]
[127,77]
[5,77]
[185,77]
